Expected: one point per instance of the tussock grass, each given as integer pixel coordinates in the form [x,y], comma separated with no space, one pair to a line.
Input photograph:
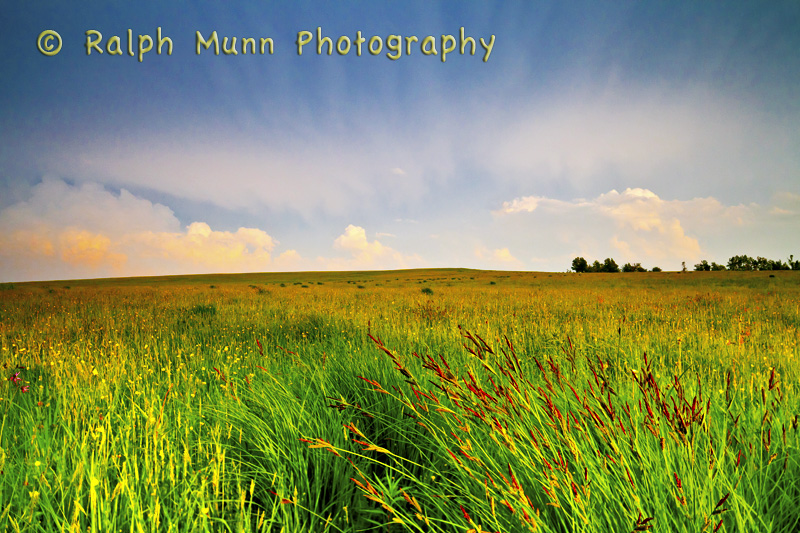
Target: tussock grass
[651,401]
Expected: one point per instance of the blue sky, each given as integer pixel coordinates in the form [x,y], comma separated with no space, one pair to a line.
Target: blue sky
[652,132]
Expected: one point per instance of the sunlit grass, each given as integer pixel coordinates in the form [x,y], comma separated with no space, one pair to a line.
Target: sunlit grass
[541,401]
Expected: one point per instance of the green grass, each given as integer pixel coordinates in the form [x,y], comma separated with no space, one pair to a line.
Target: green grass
[421,400]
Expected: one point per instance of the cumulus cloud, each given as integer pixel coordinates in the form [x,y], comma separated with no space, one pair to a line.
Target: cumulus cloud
[69,231]
[84,230]
[641,209]
[93,250]
[199,247]
[55,203]
[497,258]
[504,255]
[636,223]
[365,254]
[532,203]
[288,261]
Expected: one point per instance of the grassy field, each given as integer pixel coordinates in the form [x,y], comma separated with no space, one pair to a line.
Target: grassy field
[425,400]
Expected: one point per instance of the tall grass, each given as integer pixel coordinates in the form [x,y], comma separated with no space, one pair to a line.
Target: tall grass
[541,402]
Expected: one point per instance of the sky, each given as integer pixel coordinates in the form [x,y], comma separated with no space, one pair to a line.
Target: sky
[649,132]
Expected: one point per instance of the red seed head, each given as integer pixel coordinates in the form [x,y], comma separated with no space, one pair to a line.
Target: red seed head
[465,513]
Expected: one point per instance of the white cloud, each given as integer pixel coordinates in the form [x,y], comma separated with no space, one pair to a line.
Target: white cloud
[517,205]
[200,248]
[503,255]
[87,249]
[532,203]
[86,231]
[288,261]
[497,258]
[635,224]
[354,239]
[366,254]
[54,202]
[68,231]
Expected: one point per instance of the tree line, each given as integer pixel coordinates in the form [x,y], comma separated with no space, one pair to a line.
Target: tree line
[745,262]
[579,264]
[737,262]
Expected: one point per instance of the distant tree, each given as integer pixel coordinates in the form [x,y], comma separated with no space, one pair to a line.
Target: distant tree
[702,266]
[683,266]
[609,265]
[762,263]
[778,265]
[635,267]
[717,266]
[794,265]
[579,264]
[655,269]
[597,266]
[741,262]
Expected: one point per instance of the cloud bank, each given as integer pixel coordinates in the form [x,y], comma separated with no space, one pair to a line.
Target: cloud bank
[83,230]
[66,231]
[636,225]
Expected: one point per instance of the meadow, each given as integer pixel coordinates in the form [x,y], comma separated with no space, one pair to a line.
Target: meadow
[438,400]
